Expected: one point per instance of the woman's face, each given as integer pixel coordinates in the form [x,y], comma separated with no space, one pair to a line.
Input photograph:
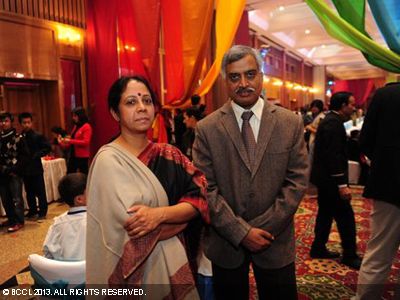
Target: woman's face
[136,109]
[75,118]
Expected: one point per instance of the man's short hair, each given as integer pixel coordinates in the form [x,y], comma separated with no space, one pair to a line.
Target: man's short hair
[236,53]
[195,99]
[24,115]
[338,99]
[72,185]
[6,115]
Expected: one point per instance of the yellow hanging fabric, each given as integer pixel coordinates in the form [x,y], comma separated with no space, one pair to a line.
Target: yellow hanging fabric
[228,15]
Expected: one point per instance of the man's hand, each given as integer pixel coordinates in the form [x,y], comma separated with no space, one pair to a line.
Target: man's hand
[257,240]
[143,220]
[345,193]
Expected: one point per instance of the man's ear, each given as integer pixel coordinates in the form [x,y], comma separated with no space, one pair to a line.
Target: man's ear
[115,115]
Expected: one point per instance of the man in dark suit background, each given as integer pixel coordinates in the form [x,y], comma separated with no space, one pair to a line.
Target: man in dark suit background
[330,174]
[38,146]
[380,141]
[254,157]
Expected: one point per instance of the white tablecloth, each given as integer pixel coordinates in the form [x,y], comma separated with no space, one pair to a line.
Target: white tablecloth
[53,171]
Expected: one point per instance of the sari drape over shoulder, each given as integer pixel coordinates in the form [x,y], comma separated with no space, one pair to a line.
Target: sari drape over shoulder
[118,180]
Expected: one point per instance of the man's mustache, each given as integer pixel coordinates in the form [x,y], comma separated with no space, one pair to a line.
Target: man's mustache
[245,90]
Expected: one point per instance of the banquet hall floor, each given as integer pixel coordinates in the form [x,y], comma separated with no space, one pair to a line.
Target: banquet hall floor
[15,247]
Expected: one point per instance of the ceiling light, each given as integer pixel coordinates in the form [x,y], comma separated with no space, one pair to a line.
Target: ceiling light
[323,46]
[281,8]
[307,31]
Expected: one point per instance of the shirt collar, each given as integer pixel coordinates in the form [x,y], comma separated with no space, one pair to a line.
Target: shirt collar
[77,208]
[257,109]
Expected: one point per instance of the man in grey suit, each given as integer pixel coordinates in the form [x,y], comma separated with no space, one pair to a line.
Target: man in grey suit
[254,156]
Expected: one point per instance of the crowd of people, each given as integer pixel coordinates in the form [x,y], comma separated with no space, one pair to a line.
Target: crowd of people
[21,164]
[226,193]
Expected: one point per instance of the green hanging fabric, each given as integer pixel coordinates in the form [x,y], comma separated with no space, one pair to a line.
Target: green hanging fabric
[342,28]
[354,13]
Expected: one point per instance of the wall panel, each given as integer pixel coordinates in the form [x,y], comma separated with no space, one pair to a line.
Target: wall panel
[70,12]
[30,50]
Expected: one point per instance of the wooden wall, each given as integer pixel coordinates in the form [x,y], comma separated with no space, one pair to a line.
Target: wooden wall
[71,12]
[30,55]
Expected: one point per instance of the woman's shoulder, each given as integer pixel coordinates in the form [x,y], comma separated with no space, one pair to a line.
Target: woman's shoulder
[107,154]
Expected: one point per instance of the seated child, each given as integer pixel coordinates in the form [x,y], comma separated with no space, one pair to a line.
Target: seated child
[66,238]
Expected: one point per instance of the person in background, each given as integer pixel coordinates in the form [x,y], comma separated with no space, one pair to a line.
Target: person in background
[79,142]
[66,238]
[255,160]
[195,100]
[380,141]
[190,117]
[56,149]
[317,113]
[179,128]
[38,146]
[150,189]
[14,157]
[330,174]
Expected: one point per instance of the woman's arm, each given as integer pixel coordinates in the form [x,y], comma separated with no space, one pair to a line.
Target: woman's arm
[85,139]
[146,219]
[170,230]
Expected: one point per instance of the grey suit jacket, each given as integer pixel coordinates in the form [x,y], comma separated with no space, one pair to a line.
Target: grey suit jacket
[265,197]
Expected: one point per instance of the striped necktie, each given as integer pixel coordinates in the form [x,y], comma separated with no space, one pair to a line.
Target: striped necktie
[248,136]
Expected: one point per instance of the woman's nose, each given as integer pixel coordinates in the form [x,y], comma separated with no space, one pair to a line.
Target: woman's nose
[141,106]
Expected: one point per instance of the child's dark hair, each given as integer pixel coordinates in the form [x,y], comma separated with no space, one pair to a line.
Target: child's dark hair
[58,130]
[70,186]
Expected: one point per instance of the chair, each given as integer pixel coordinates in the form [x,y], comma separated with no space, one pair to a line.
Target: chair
[55,274]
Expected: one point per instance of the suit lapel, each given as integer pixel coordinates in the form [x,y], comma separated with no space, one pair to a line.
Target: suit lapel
[230,124]
[268,121]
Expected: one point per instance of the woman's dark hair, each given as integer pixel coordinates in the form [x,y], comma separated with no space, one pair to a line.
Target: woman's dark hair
[196,112]
[338,99]
[81,113]
[70,186]
[318,104]
[119,87]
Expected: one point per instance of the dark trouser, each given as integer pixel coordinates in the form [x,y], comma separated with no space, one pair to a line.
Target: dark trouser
[332,207]
[275,284]
[11,196]
[76,164]
[34,187]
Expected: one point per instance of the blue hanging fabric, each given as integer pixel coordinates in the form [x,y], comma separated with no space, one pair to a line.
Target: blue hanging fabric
[387,17]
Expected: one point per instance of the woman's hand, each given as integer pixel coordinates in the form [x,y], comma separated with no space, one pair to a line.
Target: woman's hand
[144,220]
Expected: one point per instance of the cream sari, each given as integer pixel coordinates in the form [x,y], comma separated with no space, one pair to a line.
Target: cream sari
[117,180]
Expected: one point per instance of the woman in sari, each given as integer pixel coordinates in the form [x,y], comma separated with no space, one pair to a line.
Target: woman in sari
[141,198]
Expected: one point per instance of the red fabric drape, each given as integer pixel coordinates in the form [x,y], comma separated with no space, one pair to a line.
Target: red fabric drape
[102,67]
[172,31]
[361,88]
[242,36]
[129,48]
[70,74]
[147,17]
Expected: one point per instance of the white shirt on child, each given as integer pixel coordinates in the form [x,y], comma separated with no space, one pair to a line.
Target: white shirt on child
[66,238]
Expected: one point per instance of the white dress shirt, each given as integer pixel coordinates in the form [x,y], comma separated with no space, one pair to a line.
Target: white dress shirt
[255,120]
[66,238]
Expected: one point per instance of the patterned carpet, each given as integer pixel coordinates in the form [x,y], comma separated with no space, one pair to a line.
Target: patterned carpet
[328,279]
[316,278]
